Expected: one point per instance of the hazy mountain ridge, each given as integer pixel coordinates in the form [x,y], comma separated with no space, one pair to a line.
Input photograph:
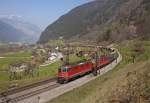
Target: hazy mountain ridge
[31,31]
[10,34]
[112,20]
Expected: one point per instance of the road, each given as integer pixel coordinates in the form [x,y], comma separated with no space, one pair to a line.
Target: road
[58,57]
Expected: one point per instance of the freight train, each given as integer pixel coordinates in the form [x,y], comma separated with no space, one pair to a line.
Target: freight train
[71,71]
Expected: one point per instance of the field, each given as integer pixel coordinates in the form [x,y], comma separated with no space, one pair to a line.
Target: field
[4,62]
[111,87]
[12,57]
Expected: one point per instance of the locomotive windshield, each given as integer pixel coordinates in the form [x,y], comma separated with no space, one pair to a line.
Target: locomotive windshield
[64,69]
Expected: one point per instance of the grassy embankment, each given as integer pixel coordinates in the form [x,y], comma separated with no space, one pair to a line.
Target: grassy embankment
[127,82]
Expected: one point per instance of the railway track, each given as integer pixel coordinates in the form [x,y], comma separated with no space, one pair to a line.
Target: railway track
[19,98]
[6,97]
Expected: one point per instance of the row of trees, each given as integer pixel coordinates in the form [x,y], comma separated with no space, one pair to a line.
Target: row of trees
[21,69]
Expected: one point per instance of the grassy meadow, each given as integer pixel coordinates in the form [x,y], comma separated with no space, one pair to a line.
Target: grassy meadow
[12,57]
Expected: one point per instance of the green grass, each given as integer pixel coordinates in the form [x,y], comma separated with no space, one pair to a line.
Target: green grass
[4,62]
[12,57]
[126,49]
[18,54]
[50,70]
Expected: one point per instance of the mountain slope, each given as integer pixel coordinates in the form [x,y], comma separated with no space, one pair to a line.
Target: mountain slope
[100,20]
[10,34]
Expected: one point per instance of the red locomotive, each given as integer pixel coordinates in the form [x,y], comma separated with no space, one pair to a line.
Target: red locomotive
[68,72]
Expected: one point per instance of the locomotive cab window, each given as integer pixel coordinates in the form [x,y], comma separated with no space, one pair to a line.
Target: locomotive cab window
[64,69]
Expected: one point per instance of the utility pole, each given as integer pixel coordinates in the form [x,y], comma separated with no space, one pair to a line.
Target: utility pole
[96,64]
[67,56]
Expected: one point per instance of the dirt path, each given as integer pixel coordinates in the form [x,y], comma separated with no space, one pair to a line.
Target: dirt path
[53,61]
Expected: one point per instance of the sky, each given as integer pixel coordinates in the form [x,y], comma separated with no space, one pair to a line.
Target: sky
[39,12]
